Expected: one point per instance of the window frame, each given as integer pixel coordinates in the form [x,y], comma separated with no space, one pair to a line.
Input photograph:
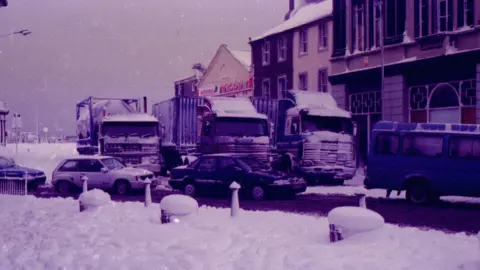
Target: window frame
[215,167]
[67,161]
[305,74]
[303,41]
[282,49]
[402,152]
[323,36]
[397,135]
[282,92]
[265,93]
[321,84]
[464,136]
[266,53]
[359,28]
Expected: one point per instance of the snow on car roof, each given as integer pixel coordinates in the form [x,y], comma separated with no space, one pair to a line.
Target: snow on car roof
[137,117]
[306,14]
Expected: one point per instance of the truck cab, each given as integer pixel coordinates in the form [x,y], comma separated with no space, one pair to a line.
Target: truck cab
[315,138]
[232,125]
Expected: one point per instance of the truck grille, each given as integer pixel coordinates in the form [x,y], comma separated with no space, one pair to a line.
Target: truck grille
[259,151]
[332,153]
[130,147]
[132,160]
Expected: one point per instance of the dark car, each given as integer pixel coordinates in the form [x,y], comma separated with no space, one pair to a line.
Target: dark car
[215,173]
[11,171]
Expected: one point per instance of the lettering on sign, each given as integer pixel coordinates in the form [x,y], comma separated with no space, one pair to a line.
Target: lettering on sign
[231,87]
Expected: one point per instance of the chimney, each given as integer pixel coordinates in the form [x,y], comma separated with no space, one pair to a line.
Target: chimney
[145,104]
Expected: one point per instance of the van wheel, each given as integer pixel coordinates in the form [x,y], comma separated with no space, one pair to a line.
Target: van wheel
[419,193]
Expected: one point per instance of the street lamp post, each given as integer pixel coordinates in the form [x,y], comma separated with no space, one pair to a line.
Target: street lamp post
[23,32]
[379,4]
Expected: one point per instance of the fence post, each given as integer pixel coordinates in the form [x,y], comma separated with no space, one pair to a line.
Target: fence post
[148,193]
[235,203]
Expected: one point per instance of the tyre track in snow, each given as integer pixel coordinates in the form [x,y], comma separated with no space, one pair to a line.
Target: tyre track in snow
[445,216]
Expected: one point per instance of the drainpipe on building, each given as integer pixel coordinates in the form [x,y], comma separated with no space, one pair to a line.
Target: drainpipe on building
[379,3]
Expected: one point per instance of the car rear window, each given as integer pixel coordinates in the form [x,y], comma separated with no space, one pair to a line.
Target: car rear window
[69,166]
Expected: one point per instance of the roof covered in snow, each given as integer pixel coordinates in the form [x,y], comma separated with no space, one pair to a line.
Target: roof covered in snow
[304,15]
[137,117]
[244,57]
[233,107]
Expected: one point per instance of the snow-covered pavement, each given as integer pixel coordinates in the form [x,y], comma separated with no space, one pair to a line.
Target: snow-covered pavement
[51,234]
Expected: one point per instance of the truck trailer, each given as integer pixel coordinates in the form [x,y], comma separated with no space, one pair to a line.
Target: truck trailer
[117,127]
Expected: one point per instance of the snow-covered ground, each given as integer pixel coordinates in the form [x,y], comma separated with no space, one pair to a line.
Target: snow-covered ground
[52,234]
[43,156]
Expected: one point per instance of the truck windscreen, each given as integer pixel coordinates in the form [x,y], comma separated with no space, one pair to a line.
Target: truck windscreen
[312,123]
[239,127]
[136,129]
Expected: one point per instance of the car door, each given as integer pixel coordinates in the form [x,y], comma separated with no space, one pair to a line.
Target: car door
[92,169]
[205,173]
[228,172]
[69,172]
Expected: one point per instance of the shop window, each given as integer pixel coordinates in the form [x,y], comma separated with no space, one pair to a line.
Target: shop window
[422,145]
[386,144]
[418,116]
[469,115]
[464,147]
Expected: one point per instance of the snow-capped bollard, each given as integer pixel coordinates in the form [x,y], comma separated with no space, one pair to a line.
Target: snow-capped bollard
[349,220]
[84,179]
[361,194]
[148,193]
[93,199]
[175,207]
[235,207]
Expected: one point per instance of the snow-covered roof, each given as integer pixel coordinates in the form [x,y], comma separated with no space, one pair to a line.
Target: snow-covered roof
[312,99]
[3,107]
[136,117]
[234,107]
[244,57]
[304,15]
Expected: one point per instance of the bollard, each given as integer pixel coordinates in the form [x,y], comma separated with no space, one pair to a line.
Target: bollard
[84,179]
[148,193]
[235,203]
[335,233]
[362,197]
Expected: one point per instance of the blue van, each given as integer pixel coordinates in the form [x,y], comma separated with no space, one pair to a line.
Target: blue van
[426,160]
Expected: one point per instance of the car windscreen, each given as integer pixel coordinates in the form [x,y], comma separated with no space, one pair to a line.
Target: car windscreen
[113,163]
[136,129]
[312,123]
[239,127]
[253,164]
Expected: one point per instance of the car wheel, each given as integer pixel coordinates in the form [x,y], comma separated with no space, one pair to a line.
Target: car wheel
[63,187]
[418,193]
[258,193]
[189,189]
[122,187]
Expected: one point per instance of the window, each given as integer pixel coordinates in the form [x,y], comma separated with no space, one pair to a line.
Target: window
[464,147]
[69,166]
[303,81]
[323,80]
[394,24]
[282,86]
[295,126]
[423,145]
[303,41]
[323,36]
[465,13]
[89,165]
[282,49]
[227,164]
[113,164]
[266,88]
[386,144]
[358,28]
[339,32]
[266,53]
[377,32]
[421,16]
[442,15]
[206,128]
[207,165]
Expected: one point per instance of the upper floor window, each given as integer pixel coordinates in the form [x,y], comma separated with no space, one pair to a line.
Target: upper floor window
[282,48]
[266,53]
[323,36]
[323,80]
[358,27]
[282,86]
[421,17]
[266,88]
[377,33]
[303,41]
[465,10]
[303,81]
[394,23]
[442,15]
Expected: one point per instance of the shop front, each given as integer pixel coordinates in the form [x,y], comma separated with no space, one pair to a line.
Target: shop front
[240,88]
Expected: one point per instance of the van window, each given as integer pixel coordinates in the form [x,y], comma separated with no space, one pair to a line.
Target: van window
[423,145]
[464,147]
[386,144]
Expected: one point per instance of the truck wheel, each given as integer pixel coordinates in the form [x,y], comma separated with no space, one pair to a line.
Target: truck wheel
[257,193]
[419,192]
[189,189]
[122,187]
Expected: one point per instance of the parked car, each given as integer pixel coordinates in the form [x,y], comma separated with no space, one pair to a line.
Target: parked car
[11,171]
[215,173]
[102,172]
[427,160]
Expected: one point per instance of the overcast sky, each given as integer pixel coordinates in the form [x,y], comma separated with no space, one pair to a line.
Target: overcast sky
[114,48]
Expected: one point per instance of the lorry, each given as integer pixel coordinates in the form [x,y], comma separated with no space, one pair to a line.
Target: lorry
[312,136]
[116,127]
[205,125]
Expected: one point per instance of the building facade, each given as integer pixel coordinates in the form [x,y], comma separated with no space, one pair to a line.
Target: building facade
[229,74]
[186,87]
[431,62]
[294,54]
[3,123]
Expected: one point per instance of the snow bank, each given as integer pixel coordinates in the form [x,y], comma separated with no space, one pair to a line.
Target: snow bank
[179,204]
[95,198]
[51,234]
[43,156]
[355,219]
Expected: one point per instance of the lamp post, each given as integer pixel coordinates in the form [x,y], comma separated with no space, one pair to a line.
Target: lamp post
[379,4]
[23,32]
